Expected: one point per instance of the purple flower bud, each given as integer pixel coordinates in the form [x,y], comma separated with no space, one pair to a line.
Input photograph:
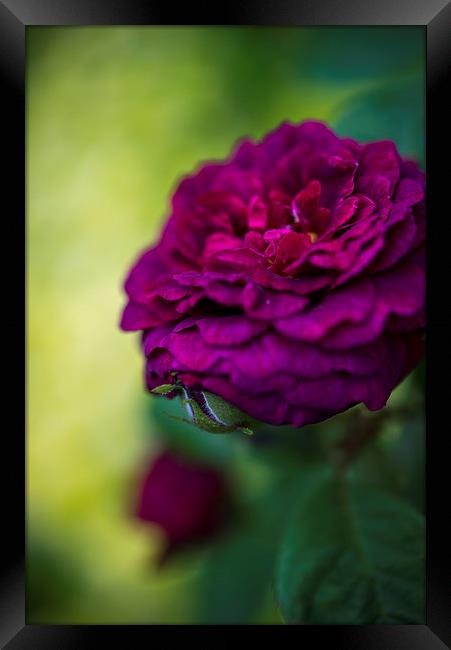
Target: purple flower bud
[185,499]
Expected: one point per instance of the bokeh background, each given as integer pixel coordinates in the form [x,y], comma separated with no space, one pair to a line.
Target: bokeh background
[115,116]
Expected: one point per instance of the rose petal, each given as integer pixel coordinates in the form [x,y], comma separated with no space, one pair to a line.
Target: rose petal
[229,330]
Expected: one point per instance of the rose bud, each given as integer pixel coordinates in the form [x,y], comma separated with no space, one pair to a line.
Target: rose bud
[289,278]
[187,500]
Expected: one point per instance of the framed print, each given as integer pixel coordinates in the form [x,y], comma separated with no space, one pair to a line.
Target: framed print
[235,340]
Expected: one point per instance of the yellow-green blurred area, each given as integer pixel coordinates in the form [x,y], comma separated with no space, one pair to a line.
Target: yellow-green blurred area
[115,115]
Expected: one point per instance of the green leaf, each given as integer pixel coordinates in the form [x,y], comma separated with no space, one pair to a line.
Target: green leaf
[352,555]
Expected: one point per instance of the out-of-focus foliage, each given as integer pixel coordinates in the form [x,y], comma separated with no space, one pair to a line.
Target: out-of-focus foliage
[114,117]
[352,553]
[380,114]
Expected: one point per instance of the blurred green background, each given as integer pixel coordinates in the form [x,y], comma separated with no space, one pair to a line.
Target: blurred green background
[115,116]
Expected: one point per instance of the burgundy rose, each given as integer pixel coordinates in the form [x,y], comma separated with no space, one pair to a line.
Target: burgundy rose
[185,499]
[289,279]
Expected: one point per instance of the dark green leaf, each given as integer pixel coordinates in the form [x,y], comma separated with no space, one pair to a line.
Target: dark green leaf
[352,555]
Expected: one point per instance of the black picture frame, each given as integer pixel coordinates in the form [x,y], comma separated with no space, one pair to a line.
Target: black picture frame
[435,17]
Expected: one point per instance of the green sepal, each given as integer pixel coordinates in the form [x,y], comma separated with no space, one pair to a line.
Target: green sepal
[207,411]
[165,389]
[213,414]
